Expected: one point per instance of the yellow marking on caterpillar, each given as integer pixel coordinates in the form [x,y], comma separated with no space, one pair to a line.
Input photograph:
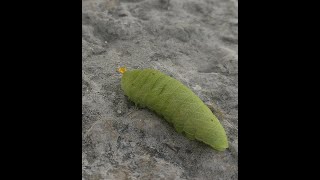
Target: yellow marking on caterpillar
[122,70]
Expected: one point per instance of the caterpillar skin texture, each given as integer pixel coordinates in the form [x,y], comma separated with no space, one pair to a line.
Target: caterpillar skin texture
[176,103]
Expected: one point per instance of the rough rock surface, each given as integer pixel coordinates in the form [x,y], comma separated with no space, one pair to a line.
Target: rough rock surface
[196,42]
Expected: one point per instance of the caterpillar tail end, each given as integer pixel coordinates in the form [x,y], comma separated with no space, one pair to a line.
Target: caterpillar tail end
[122,69]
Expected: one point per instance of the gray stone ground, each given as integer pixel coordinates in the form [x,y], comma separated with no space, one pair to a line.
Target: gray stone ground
[195,41]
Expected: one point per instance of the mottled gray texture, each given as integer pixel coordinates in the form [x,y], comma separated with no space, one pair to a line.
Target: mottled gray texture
[194,41]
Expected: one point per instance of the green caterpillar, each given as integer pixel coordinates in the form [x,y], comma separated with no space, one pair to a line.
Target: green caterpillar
[176,103]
